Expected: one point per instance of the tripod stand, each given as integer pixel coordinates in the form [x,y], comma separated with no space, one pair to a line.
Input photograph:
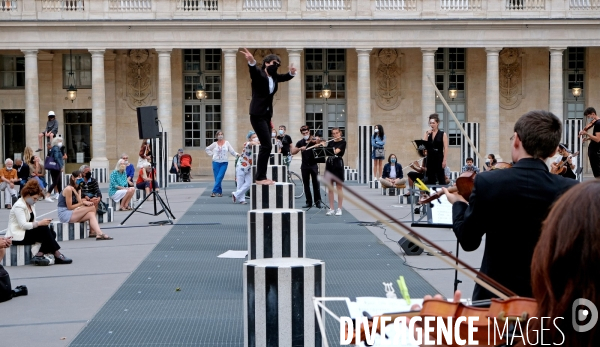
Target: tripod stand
[154,194]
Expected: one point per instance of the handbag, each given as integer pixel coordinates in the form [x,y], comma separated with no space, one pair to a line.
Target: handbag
[51,164]
[5,285]
[102,207]
[379,153]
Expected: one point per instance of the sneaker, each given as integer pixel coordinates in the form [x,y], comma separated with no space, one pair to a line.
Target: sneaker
[41,261]
[330,213]
[338,212]
[233,197]
[56,196]
[48,199]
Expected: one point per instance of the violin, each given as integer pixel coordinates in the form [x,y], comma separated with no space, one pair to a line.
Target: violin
[589,126]
[463,185]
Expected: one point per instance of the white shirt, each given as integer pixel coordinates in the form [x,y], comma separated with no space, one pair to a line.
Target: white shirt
[219,153]
[393,170]
[558,160]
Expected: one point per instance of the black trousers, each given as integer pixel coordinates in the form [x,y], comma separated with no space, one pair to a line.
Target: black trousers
[413,175]
[262,128]
[594,156]
[56,181]
[435,172]
[308,174]
[41,234]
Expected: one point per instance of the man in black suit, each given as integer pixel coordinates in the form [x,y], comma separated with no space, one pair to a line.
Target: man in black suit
[509,205]
[264,87]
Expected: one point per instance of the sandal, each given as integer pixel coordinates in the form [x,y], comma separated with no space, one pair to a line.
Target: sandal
[213,195]
[219,195]
[92,235]
[103,237]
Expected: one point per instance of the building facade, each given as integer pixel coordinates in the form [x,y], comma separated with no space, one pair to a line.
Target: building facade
[505,57]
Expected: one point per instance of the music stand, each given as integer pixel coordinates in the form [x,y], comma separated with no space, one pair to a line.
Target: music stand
[154,194]
[320,154]
[421,144]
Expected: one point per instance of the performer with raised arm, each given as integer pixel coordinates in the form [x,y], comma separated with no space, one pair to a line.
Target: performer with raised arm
[523,193]
[594,138]
[264,86]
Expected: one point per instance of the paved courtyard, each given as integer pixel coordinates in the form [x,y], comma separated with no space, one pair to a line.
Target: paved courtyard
[165,286]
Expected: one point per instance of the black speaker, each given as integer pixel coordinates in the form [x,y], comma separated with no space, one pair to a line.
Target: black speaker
[147,117]
[408,247]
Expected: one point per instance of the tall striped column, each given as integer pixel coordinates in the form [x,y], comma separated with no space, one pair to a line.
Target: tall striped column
[162,159]
[573,141]
[276,234]
[278,195]
[278,308]
[466,151]
[365,163]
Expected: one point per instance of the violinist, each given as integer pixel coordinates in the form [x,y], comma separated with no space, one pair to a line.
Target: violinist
[522,195]
[309,166]
[566,158]
[594,147]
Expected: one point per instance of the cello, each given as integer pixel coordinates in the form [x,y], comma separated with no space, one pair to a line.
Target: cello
[507,308]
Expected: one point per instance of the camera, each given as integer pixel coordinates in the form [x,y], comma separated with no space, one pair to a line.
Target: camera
[19,291]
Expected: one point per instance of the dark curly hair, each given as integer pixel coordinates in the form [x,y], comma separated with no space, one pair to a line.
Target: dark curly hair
[31,188]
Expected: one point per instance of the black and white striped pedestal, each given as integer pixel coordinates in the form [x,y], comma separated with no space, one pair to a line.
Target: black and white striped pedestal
[274,158]
[350,175]
[70,231]
[107,217]
[277,173]
[278,306]
[100,174]
[172,178]
[276,234]
[365,163]
[574,142]
[374,184]
[278,195]
[466,151]
[17,255]
[256,148]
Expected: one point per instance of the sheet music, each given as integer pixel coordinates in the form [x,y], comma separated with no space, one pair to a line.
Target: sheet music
[441,213]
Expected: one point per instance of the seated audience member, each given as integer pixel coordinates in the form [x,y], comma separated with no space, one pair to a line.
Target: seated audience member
[420,170]
[24,230]
[392,175]
[22,172]
[37,172]
[129,169]
[8,178]
[491,160]
[469,166]
[119,189]
[146,179]
[73,209]
[88,186]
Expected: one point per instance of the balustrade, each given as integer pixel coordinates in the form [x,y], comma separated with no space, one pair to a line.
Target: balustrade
[395,5]
[130,5]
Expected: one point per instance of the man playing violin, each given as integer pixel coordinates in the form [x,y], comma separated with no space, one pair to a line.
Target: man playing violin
[309,166]
[521,195]
[594,147]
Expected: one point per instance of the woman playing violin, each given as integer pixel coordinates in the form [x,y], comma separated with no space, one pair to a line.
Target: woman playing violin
[594,147]
[522,194]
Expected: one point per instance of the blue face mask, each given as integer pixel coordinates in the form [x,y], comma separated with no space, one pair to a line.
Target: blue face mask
[393,160]
[79,180]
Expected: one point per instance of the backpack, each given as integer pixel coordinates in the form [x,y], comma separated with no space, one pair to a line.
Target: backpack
[5,286]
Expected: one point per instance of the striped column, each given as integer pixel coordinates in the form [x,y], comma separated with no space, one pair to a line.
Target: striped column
[100,174]
[162,159]
[276,234]
[573,141]
[70,231]
[466,151]
[278,308]
[279,195]
[107,217]
[277,173]
[274,158]
[18,255]
[365,163]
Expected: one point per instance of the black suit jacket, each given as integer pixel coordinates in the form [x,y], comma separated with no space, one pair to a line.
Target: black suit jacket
[262,99]
[508,206]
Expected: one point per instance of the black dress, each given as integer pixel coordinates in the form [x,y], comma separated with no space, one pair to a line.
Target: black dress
[594,152]
[435,157]
[335,164]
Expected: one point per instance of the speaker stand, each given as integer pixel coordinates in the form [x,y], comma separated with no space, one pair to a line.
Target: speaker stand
[456,280]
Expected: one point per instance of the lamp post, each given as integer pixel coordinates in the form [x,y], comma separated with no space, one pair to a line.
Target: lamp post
[452,90]
[71,91]
[200,92]
[576,90]
[326,91]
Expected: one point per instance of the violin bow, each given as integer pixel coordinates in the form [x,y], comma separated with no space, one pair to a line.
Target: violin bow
[462,130]
[367,206]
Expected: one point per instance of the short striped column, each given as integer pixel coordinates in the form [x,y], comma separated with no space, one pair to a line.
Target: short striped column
[70,231]
[18,255]
[107,217]
[276,234]
[256,148]
[278,306]
[277,173]
[274,158]
[115,205]
[278,195]
[172,178]
[100,174]
[374,184]
[574,142]
[466,151]
[365,163]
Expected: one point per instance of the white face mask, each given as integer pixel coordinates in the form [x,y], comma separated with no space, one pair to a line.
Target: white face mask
[30,201]
[60,144]
[273,134]
[148,141]
[220,137]
[281,131]
[255,139]
[305,137]
[376,130]
[9,168]
[487,160]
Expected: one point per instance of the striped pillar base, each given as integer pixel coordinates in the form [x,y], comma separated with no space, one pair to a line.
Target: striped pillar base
[172,178]
[277,173]
[70,231]
[274,158]
[278,306]
[107,217]
[100,173]
[276,234]
[18,255]
[115,205]
[256,148]
[350,175]
[279,195]
[140,194]
[390,191]
[374,184]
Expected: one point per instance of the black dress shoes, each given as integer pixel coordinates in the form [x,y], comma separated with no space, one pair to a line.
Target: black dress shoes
[307,206]
[318,205]
[62,260]
[19,291]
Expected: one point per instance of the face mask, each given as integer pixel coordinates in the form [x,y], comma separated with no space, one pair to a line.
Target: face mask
[281,132]
[273,134]
[305,137]
[79,180]
[148,141]
[220,137]
[17,167]
[30,201]
[376,130]
[487,160]
[126,162]
[9,168]
[255,139]
[122,168]
[88,175]
[393,160]
[60,144]
[272,70]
